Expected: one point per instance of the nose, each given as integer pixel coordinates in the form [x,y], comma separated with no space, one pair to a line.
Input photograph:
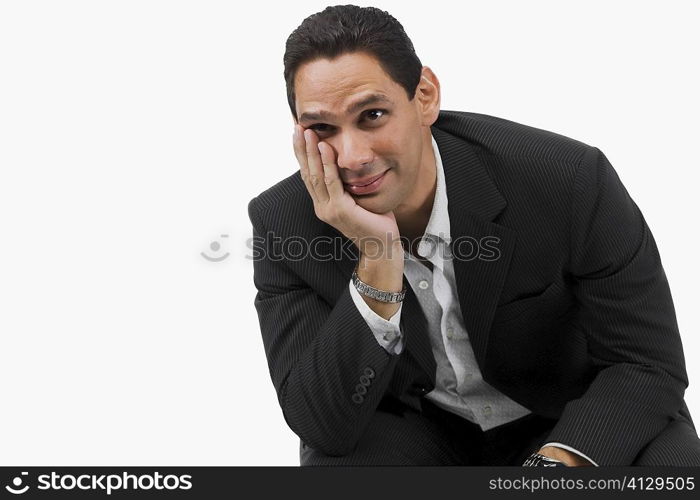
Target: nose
[354,151]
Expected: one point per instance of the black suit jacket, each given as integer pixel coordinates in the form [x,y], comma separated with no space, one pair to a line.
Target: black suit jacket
[560,285]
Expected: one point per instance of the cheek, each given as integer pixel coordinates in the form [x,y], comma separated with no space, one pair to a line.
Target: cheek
[398,145]
[410,155]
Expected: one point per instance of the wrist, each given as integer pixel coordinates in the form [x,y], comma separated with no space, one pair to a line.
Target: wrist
[566,457]
[380,274]
[540,460]
[381,286]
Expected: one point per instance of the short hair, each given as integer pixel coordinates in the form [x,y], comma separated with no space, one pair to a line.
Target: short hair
[343,29]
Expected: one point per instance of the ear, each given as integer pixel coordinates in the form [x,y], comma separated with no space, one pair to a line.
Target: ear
[428,97]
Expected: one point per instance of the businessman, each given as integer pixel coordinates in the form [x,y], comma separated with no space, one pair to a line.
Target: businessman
[499,298]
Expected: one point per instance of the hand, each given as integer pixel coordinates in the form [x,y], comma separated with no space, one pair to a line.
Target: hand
[565,456]
[333,204]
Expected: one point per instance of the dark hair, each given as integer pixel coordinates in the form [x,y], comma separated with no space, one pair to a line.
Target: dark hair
[341,29]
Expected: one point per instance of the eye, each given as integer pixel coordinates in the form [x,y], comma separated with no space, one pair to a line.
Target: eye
[372,114]
[320,127]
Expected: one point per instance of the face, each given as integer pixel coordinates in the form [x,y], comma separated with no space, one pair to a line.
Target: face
[367,119]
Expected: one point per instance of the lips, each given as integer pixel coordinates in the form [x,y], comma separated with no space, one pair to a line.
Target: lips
[369,185]
[364,182]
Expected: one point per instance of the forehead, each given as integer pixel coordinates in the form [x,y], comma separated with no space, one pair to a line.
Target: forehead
[326,88]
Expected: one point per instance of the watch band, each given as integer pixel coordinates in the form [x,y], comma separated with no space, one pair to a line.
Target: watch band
[375,293]
[538,460]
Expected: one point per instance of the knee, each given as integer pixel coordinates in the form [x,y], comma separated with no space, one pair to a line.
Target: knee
[677,445]
[313,456]
[391,439]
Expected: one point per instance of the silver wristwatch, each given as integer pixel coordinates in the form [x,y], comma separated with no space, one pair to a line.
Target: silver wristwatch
[538,460]
[375,293]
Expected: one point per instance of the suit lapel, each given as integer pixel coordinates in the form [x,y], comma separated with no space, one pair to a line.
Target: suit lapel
[414,327]
[481,249]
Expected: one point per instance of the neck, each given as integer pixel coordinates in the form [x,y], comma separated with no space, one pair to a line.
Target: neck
[413,214]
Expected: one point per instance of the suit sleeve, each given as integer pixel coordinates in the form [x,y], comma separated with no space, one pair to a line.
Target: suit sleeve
[328,370]
[627,313]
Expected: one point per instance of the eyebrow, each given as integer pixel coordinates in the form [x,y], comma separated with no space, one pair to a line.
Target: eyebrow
[325,115]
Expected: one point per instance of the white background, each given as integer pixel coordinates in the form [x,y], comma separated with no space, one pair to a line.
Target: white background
[134,133]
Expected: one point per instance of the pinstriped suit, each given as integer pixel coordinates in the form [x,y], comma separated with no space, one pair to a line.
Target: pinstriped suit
[574,319]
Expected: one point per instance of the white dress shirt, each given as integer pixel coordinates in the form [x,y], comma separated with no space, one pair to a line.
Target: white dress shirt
[459,387]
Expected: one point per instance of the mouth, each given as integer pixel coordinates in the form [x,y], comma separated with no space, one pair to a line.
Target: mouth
[366,186]
[365,182]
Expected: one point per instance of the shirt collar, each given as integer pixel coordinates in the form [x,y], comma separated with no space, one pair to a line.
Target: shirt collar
[439,223]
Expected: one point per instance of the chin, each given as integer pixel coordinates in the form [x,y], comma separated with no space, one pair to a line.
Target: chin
[377,205]
[373,205]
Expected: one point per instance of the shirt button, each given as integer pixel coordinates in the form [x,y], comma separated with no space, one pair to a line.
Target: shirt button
[389,336]
[450,333]
[425,247]
[423,285]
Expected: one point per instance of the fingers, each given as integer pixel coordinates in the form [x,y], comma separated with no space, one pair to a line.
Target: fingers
[300,153]
[316,175]
[317,165]
[334,183]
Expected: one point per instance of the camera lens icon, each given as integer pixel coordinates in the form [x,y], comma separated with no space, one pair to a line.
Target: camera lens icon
[17,483]
[215,246]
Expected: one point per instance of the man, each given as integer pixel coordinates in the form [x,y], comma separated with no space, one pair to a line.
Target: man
[501,301]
